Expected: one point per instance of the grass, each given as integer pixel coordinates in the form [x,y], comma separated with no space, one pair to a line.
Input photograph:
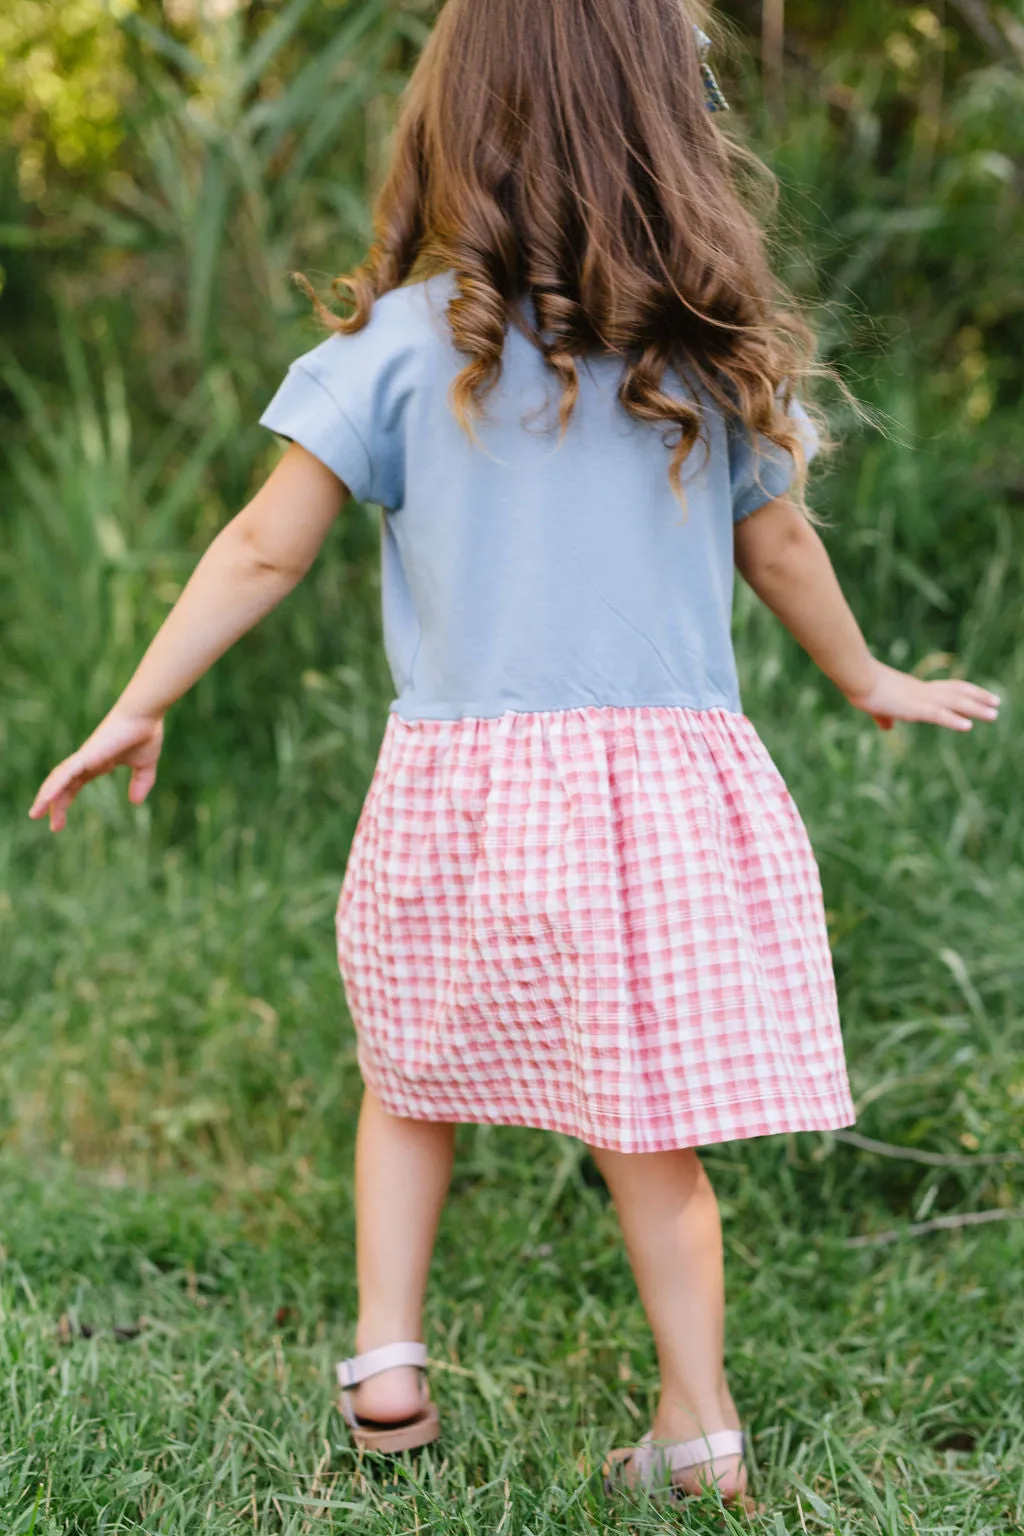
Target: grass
[883,1390]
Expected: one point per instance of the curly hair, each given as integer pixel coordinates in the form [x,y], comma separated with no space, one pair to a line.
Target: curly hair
[562,150]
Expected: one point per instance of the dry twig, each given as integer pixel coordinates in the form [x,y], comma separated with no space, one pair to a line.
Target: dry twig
[932,1159]
[937,1224]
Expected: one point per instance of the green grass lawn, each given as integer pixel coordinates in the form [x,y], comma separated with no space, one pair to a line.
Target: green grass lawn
[178,1092]
[178,1085]
[882,1388]
[167,1354]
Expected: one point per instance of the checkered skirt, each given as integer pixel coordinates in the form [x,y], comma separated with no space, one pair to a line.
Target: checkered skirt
[604,921]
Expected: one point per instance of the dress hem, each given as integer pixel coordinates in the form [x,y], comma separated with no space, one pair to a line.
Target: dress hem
[765,1117]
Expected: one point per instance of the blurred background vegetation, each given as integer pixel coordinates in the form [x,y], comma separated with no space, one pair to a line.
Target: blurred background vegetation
[162,171]
[170,1006]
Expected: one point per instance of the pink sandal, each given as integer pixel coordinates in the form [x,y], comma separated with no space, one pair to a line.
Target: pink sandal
[372,1434]
[652,1465]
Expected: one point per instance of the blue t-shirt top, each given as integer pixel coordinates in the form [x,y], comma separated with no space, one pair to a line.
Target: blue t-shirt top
[520,573]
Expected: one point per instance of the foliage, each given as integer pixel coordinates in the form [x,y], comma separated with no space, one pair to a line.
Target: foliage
[171,1020]
[63,87]
[241,172]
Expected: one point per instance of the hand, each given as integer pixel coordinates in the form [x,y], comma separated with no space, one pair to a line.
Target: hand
[134,740]
[894,695]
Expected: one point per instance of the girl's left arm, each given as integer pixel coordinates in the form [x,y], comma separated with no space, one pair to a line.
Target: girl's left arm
[248,569]
[780,555]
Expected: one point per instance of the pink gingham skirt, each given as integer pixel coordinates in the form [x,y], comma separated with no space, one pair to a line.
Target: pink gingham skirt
[603,921]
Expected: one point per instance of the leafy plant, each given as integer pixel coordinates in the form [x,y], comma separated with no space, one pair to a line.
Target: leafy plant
[242,172]
[94,553]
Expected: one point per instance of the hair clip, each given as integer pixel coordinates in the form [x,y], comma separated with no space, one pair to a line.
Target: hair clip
[714,100]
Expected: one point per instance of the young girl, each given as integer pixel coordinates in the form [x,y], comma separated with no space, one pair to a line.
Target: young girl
[579,895]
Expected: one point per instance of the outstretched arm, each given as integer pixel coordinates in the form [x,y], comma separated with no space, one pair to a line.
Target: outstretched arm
[780,555]
[250,567]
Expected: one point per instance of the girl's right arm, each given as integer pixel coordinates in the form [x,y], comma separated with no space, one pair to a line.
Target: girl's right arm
[251,566]
[780,555]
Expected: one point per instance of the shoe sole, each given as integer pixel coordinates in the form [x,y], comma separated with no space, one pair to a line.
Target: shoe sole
[424,1429]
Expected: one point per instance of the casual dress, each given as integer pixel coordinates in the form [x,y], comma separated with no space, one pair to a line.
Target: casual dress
[579,896]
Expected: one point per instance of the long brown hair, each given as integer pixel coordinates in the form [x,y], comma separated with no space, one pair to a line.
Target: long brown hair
[563,150]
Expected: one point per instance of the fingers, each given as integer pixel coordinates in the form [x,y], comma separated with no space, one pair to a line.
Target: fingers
[62,785]
[947,702]
[948,718]
[977,703]
[50,787]
[59,809]
[956,704]
[116,740]
[142,782]
[58,790]
[58,805]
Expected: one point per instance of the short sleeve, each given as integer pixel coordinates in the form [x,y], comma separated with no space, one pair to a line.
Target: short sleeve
[344,402]
[759,469]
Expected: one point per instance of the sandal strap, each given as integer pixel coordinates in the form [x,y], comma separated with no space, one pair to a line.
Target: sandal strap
[359,1367]
[680,1455]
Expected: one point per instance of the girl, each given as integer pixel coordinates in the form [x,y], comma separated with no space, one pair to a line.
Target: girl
[579,894]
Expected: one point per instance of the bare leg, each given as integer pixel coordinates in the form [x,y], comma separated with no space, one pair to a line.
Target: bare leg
[403,1168]
[669,1218]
